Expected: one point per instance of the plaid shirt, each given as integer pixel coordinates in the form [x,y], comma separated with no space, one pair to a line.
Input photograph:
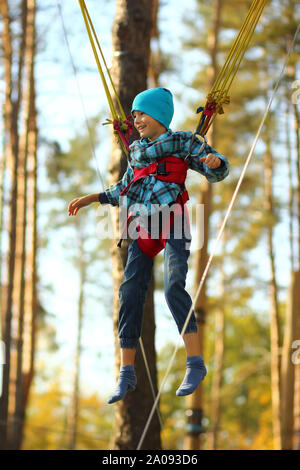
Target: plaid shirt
[147,191]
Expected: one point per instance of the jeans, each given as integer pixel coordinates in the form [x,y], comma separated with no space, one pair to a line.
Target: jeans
[137,274]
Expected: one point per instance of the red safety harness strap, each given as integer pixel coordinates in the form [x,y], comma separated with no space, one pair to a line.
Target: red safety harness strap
[173,170]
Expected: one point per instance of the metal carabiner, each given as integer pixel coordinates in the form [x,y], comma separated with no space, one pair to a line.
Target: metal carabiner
[204,144]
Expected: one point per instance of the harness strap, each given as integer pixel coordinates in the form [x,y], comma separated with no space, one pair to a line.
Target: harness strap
[171,169]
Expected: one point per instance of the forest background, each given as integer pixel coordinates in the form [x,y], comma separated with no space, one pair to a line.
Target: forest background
[242,275]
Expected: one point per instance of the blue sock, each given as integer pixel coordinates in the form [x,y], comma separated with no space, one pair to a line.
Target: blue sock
[195,373]
[126,381]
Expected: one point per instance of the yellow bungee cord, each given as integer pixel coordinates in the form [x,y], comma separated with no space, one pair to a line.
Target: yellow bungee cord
[218,95]
[122,125]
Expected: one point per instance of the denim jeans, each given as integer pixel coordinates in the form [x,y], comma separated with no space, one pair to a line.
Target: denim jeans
[137,274]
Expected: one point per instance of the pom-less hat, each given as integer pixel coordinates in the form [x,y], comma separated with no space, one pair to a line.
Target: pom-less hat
[157,102]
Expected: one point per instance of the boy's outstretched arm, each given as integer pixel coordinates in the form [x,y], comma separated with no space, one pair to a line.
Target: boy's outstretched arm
[83,201]
[109,196]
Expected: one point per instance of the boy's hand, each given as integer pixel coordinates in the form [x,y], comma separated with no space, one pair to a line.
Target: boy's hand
[77,203]
[211,161]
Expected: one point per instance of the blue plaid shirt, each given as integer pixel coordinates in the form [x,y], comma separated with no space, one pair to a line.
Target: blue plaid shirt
[147,191]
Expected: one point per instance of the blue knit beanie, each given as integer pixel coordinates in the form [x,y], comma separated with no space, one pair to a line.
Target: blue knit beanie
[157,102]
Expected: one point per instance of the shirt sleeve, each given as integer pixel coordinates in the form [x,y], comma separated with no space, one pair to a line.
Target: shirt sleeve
[103,199]
[114,191]
[212,175]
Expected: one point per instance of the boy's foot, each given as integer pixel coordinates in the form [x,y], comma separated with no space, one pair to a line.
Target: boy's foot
[126,381]
[195,373]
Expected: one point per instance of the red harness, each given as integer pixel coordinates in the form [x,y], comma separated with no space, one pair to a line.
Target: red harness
[173,170]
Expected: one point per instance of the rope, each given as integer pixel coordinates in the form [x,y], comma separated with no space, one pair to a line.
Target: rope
[150,380]
[101,179]
[218,95]
[220,234]
[121,124]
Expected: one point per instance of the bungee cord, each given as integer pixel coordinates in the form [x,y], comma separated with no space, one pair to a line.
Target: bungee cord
[218,95]
[122,126]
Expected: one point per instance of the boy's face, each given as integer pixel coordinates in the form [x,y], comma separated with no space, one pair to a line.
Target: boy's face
[147,126]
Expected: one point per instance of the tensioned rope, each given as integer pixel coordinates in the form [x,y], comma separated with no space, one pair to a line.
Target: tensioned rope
[220,234]
[122,126]
[218,95]
[100,176]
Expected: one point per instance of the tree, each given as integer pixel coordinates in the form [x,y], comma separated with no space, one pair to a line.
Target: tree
[194,402]
[290,372]
[237,126]
[20,151]
[64,170]
[131,44]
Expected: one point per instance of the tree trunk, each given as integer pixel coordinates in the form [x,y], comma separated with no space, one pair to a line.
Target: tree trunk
[194,401]
[30,296]
[131,46]
[3,164]
[274,320]
[74,407]
[297,366]
[19,152]
[11,112]
[288,367]
[290,370]
[296,363]
[15,405]
[291,187]
[219,364]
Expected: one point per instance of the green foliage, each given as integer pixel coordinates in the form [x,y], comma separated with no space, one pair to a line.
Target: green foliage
[246,412]
[245,396]
[46,423]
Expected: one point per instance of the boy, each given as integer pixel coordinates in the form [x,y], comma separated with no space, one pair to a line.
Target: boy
[155,176]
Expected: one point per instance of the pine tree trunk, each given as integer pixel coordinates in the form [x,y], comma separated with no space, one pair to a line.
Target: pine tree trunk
[291,187]
[219,364]
[3,163]
[296,364]
[288,368]
[11,112]
[19,151]
[274,320]
[289,379]
[30,301]
[74,407]
[15,406]
[194,401]
[131,45]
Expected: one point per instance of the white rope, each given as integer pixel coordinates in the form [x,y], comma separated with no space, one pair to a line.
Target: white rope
[219,236]
[150,380]
[101,180]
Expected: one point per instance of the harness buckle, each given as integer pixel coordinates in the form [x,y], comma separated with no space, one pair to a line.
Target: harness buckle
[161,169]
